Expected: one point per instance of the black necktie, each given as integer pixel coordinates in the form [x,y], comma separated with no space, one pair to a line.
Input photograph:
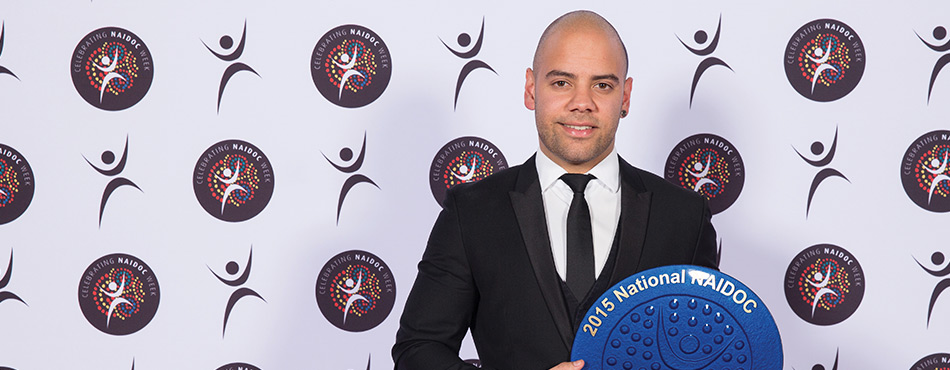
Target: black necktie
[580,238]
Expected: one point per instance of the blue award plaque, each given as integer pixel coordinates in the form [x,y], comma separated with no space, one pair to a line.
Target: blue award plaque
[679,318]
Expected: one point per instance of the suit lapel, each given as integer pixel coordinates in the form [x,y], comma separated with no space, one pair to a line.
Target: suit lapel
[634,216]
[529,209]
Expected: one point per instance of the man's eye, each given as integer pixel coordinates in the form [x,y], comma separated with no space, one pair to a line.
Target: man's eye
[603,86]
[560,83]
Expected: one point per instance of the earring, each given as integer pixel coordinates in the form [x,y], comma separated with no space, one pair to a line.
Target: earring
[623,113]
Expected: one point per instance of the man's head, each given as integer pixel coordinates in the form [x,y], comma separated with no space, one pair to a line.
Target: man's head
[577,87]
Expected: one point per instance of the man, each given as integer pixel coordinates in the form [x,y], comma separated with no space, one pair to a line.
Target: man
[504,254]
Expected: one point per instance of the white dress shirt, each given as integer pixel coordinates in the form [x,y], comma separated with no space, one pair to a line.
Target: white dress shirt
[603,199]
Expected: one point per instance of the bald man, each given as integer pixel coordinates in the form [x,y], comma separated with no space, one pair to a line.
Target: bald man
[506,258]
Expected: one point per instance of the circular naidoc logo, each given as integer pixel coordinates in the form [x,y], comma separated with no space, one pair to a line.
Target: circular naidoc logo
[824,284]
[119,294]
[824,60]
[356,291]
[466,159]
[679,317]
[925,173]
[112,68]
[233,180]
[16,184]
[937,361]
[710,166]
[238,366]
[351,66]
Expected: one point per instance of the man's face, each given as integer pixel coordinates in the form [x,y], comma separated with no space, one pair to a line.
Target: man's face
[577,93]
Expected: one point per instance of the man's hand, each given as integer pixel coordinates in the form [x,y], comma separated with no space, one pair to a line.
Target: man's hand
[569,365]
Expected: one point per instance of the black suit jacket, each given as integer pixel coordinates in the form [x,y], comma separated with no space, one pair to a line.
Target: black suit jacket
[488,266]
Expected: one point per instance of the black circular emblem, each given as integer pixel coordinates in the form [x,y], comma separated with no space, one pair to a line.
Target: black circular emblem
[466,159]
[824,60]
[824,284]
[119,294]
[925,172]
[238,366]
[937,361]
[233,180]
[112,68]
[708,165]
[351,66]
[16,184]
[355,291]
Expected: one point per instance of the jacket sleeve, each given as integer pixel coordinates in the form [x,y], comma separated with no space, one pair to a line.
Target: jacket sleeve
[442,301]
[706,253]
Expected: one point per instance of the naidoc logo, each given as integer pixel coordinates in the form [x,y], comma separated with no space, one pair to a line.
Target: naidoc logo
[937,361]
[16,184]
[119,294]
[710,166]
[233,180]
[924,171]
[824,60]
[355,291]
[824,284]
[466,159]
[351,66]
[112,68]
[238,366]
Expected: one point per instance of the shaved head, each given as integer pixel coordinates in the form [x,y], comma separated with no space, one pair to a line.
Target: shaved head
[579,20]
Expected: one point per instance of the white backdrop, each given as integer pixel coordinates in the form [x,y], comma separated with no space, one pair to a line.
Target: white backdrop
[282,113]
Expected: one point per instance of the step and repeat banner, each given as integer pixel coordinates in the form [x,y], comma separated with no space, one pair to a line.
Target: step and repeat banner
[250,185]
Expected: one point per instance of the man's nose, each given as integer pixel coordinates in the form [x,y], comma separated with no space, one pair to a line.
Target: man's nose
[582,101]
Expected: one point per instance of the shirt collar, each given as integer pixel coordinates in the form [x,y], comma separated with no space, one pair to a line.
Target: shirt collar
[607,171]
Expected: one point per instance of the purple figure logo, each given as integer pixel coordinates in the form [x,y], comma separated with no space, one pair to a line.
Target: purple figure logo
[464,40]
[937,258]
[701,37]
[232,269]
[5,295]
[226,42]
[346,154]
[817,148]
[940,33]
[108,158]
[4,70]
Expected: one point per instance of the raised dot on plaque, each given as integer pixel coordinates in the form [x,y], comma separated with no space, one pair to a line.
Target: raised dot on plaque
[648,324]
[692,321]
[740,344]
[727,357]
[674,317]
[673,332]
[719,318]
[611,361]
[707,329]
[635,337]
[648,341]
[707,349]
[692,304]
[631,351]
[627,365]
[717,339]
[707,310]
[615,343]
[624,329]
[647,355]
[635,317]
[674,303]
[649,310]
[740,359]
[689,344]
[728,330]
[655,366]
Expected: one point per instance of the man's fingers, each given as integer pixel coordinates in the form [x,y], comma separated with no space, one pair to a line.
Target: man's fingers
[569,365]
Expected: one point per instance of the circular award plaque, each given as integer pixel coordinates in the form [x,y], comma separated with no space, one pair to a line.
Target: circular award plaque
[679,318]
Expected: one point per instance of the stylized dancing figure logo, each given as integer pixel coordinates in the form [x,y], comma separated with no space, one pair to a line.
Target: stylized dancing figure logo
[937,258]
[824,60]
[355,291]
[16,184]
[700,37]
[466,159]
[822,367]
[709,165]
[112,68]
[226,42]
[5,295]
[351,66]
[939,34]
[925,173]
[817,148]
[4,70]
[232,269]
[123,289]
[464,40]
[108,158]
[824,284]
[346,154]
[233,180]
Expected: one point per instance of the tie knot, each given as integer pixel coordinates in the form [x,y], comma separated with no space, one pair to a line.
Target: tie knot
[577,182]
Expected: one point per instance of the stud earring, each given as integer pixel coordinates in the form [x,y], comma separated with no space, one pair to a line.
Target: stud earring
[623,113]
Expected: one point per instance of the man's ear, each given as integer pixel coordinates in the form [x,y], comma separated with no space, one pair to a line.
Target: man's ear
[529,89]
[627,88]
